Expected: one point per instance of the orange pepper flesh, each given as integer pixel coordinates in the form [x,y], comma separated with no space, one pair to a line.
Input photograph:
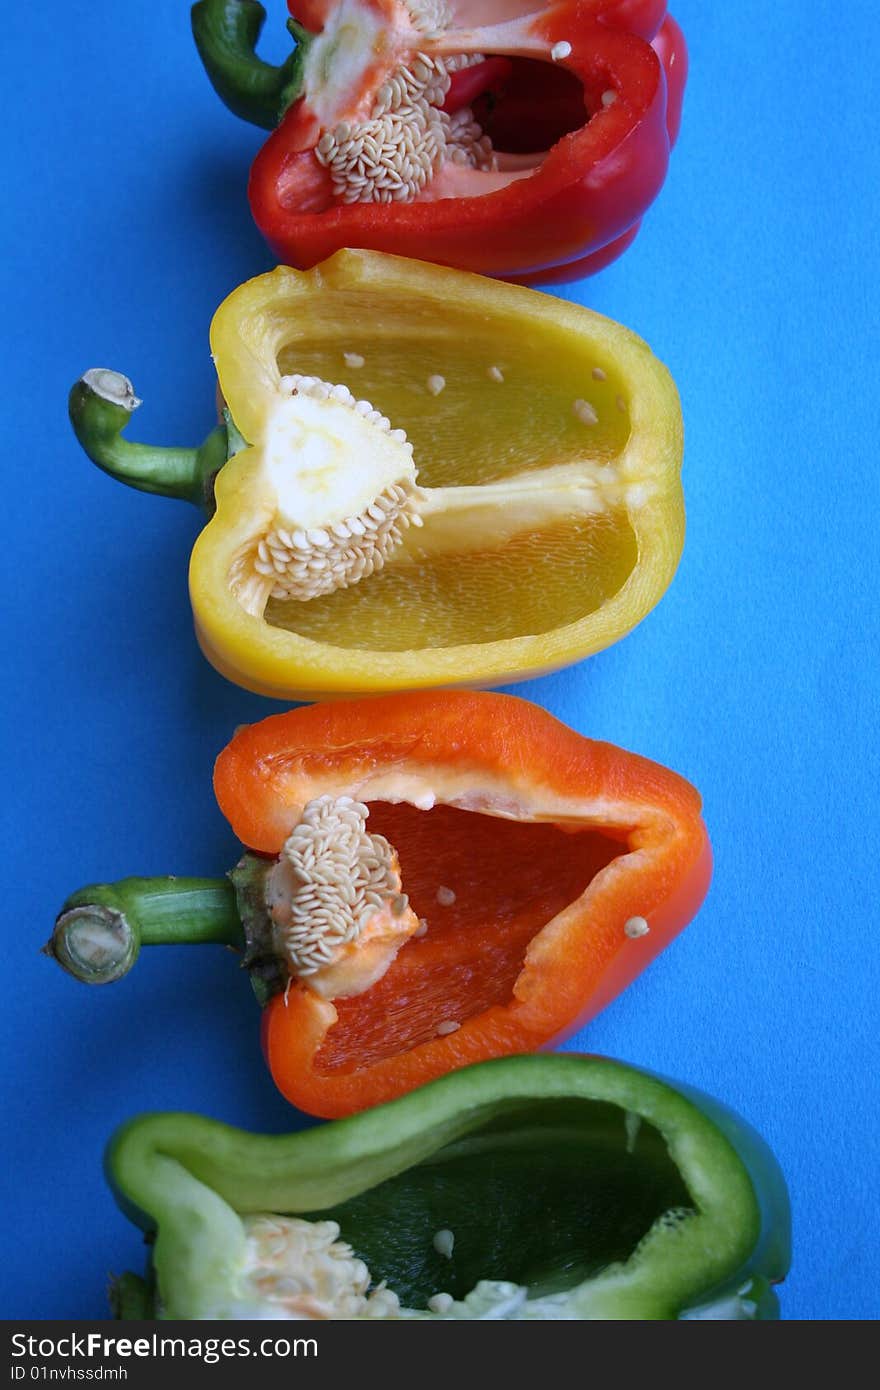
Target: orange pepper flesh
[563,842]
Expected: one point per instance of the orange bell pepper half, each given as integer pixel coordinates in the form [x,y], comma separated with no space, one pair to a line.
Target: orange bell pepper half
[518,877]
[550,842]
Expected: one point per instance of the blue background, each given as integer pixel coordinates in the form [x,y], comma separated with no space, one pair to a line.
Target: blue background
[125,223]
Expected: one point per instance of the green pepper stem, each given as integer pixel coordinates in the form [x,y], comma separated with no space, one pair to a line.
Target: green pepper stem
[101,929]
[101,404]
[226,34]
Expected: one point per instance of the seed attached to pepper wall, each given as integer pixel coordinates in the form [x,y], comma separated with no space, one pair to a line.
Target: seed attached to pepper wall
[444,1243]
[586,413]
[636,927]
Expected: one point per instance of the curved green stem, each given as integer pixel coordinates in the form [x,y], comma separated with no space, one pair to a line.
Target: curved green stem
[101,929]
[101,405]
[226,34]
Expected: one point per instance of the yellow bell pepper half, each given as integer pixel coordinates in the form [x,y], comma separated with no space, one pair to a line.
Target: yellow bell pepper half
[424,478]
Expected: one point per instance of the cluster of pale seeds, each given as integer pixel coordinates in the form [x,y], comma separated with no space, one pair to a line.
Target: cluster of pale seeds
[429,16]
[393,155]
[305,564]
[343,876]
[305,1267]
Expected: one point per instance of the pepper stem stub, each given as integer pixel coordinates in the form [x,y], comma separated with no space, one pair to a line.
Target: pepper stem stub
[100,930]
[112,387]
[101,405]
[94,943]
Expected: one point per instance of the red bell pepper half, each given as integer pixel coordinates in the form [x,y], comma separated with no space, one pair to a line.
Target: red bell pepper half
[505,137]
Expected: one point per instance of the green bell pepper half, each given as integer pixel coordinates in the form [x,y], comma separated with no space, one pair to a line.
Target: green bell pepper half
[601,1188]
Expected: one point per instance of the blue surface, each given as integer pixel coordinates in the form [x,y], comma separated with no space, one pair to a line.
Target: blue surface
[125,224]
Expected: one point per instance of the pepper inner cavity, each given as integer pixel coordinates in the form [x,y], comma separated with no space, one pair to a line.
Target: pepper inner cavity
[462,111]
[507,879]
[478,568]
[545,1196]
[536,104]
[475,430]
[532,583]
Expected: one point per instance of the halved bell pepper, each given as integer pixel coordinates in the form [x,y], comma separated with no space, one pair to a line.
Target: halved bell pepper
[433,879]
[433,479]
[517,139]
[551,1188]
